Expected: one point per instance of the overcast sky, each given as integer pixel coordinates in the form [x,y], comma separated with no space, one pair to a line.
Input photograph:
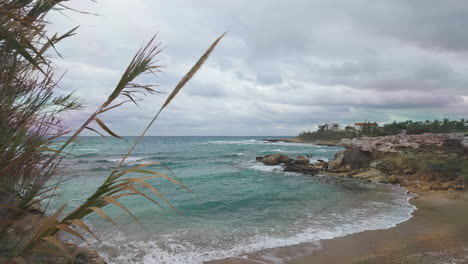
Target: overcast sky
[284,66]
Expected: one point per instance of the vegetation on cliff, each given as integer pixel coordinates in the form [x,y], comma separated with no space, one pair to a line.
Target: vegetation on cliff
[327,135]
[394,128]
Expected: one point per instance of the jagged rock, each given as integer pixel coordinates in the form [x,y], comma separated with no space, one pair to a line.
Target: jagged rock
[259,158]
[275,159]
[357,158]
[454,146]
[348,168]
[387,166]
[373,175]
[394,143]
[302,168]
[301,160]
[334,164]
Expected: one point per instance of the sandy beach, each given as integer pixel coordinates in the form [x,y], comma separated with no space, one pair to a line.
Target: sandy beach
[437,233]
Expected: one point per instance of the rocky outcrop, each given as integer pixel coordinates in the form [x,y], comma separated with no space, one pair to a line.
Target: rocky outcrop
[274,159]
[335,164]
[396,142]
[301,160]
[425,162]
[300,165]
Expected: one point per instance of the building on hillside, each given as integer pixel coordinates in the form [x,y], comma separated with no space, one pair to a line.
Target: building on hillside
[359,126]
[329,127]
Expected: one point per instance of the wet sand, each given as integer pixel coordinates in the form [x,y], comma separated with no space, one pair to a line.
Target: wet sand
[437,233]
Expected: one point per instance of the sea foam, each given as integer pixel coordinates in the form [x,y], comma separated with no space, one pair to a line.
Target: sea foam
[172,250]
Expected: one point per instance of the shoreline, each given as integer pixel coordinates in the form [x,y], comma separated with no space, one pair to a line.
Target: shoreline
[437,232]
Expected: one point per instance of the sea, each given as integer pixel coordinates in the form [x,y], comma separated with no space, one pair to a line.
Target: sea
[236,205]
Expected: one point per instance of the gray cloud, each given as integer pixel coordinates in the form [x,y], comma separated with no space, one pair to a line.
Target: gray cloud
[283,67]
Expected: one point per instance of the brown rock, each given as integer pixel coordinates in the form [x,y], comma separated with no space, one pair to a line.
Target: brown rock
[348,168]
[393,179]
[275,159]
[425,188]
[334,164]
[302,160]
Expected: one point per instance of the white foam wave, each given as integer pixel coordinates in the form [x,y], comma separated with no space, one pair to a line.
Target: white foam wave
[261,167]
[241,142]
[263,142]
[87,149]
[129,160]
[316,160]
[279,150]
[167,249]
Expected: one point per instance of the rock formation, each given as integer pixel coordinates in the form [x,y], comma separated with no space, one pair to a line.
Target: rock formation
[274,159]
[425,162]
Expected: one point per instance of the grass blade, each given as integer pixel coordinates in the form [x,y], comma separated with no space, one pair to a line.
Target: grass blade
[103,126]
[102,214]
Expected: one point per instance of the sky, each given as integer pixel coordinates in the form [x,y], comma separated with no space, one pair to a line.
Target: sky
[283,67]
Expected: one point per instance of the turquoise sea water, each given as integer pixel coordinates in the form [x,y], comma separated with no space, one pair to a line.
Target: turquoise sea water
[237,206]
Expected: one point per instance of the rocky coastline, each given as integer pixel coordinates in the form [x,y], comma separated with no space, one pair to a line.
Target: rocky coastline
[434,166]
[421,163]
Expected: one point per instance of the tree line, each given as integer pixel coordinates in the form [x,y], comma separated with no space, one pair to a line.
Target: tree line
[373,129]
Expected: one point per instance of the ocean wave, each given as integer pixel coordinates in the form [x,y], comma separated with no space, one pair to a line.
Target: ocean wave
[230,155]
[262,167]
[87,149]
[280,151]
[237,142]
[263,142]
[316,159]
[172,248]
[83,155]
[128,161]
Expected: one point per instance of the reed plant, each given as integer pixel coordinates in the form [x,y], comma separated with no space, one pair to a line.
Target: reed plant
[30,125]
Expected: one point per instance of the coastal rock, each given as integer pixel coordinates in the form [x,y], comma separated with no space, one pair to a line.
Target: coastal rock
[348,168]
[357,158]
[396,143]
[302,160]
[275,159]
[372,175]
[393,179]
[455,146]
[334,164]
[302,168]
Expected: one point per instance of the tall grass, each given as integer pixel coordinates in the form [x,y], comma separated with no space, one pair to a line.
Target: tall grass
[29,107]
[29,125]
